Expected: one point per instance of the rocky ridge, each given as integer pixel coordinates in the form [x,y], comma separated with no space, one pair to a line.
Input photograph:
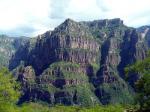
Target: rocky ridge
[80,62]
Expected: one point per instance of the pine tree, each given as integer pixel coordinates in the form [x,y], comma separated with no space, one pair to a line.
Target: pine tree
[9,91]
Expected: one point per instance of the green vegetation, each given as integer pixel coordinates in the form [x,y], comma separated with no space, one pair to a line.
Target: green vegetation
[9,91]
[95,67]
[76,83]
[142,86]
[34,107]
[115,92]
[64,64]
[108,30]
[62,67]
[9,96]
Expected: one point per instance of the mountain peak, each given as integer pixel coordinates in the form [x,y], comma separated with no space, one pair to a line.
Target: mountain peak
[68,25]
[68,20]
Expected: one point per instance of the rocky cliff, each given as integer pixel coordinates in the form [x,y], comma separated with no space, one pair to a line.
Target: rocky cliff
[80,63]
[8,46]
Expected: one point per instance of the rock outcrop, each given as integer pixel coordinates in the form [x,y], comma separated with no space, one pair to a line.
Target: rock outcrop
[8,46]
[80,62]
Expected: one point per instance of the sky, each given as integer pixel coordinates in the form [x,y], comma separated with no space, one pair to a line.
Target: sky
[33,17]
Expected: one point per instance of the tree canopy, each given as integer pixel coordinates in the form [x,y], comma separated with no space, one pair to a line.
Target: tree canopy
[9,91]
[142,85]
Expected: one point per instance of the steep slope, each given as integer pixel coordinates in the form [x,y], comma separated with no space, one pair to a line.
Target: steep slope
[80,63]
[60,59]
[120,46]
[145,33]
[8,46]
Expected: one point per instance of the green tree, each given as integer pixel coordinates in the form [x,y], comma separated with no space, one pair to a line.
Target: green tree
[143,84]
[9,91]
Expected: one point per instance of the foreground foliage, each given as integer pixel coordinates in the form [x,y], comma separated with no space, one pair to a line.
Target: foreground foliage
[34,107]
[9,91]
[142,68]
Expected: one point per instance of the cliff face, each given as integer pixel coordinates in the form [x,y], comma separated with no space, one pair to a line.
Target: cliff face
[80,63]
[8,46]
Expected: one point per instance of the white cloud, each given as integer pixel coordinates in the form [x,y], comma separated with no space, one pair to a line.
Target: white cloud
[23,13]
[32,17]
[84,9]
[128,10]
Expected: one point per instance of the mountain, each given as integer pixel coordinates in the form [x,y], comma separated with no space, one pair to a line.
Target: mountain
[80,63]
[8,46]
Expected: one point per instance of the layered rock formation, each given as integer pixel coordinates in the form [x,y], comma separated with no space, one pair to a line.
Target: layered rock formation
[80,63]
